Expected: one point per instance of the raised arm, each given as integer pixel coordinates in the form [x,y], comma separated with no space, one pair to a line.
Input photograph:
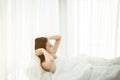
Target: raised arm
[48,58]
[41,51]
[57,39]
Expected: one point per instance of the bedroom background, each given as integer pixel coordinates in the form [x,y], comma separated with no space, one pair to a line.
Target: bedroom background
[87,27]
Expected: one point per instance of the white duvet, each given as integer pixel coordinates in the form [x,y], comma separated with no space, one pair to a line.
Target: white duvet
[83,68]
[87,68]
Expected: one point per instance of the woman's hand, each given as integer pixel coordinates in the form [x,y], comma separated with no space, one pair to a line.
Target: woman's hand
[39,51]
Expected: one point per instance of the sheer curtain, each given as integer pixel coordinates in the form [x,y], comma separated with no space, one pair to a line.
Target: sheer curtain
[86,26]
[92,27]
[21,21]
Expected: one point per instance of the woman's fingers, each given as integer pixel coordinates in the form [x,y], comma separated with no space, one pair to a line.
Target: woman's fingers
[38,52]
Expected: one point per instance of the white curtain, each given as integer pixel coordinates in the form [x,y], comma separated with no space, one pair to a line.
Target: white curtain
[86,26]
[21,21]
[92,27]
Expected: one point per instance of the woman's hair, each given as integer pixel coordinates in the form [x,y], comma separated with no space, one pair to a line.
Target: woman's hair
[41,43]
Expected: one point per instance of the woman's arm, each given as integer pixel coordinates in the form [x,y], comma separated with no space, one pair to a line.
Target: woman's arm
[41,51]
[57,39]
[48,58]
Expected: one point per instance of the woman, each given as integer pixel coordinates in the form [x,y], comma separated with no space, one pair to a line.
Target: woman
[76,68]
[46,51]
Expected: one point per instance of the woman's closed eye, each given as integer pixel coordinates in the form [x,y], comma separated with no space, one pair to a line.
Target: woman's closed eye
[50,46]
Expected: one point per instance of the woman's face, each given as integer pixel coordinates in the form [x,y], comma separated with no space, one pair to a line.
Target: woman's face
[49,47]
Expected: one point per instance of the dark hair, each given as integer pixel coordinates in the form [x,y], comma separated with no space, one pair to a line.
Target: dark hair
[41,43]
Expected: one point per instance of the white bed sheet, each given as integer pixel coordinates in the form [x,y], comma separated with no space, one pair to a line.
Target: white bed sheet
[79,68]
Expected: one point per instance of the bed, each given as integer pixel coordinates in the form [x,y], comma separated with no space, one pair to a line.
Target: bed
[82,67]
